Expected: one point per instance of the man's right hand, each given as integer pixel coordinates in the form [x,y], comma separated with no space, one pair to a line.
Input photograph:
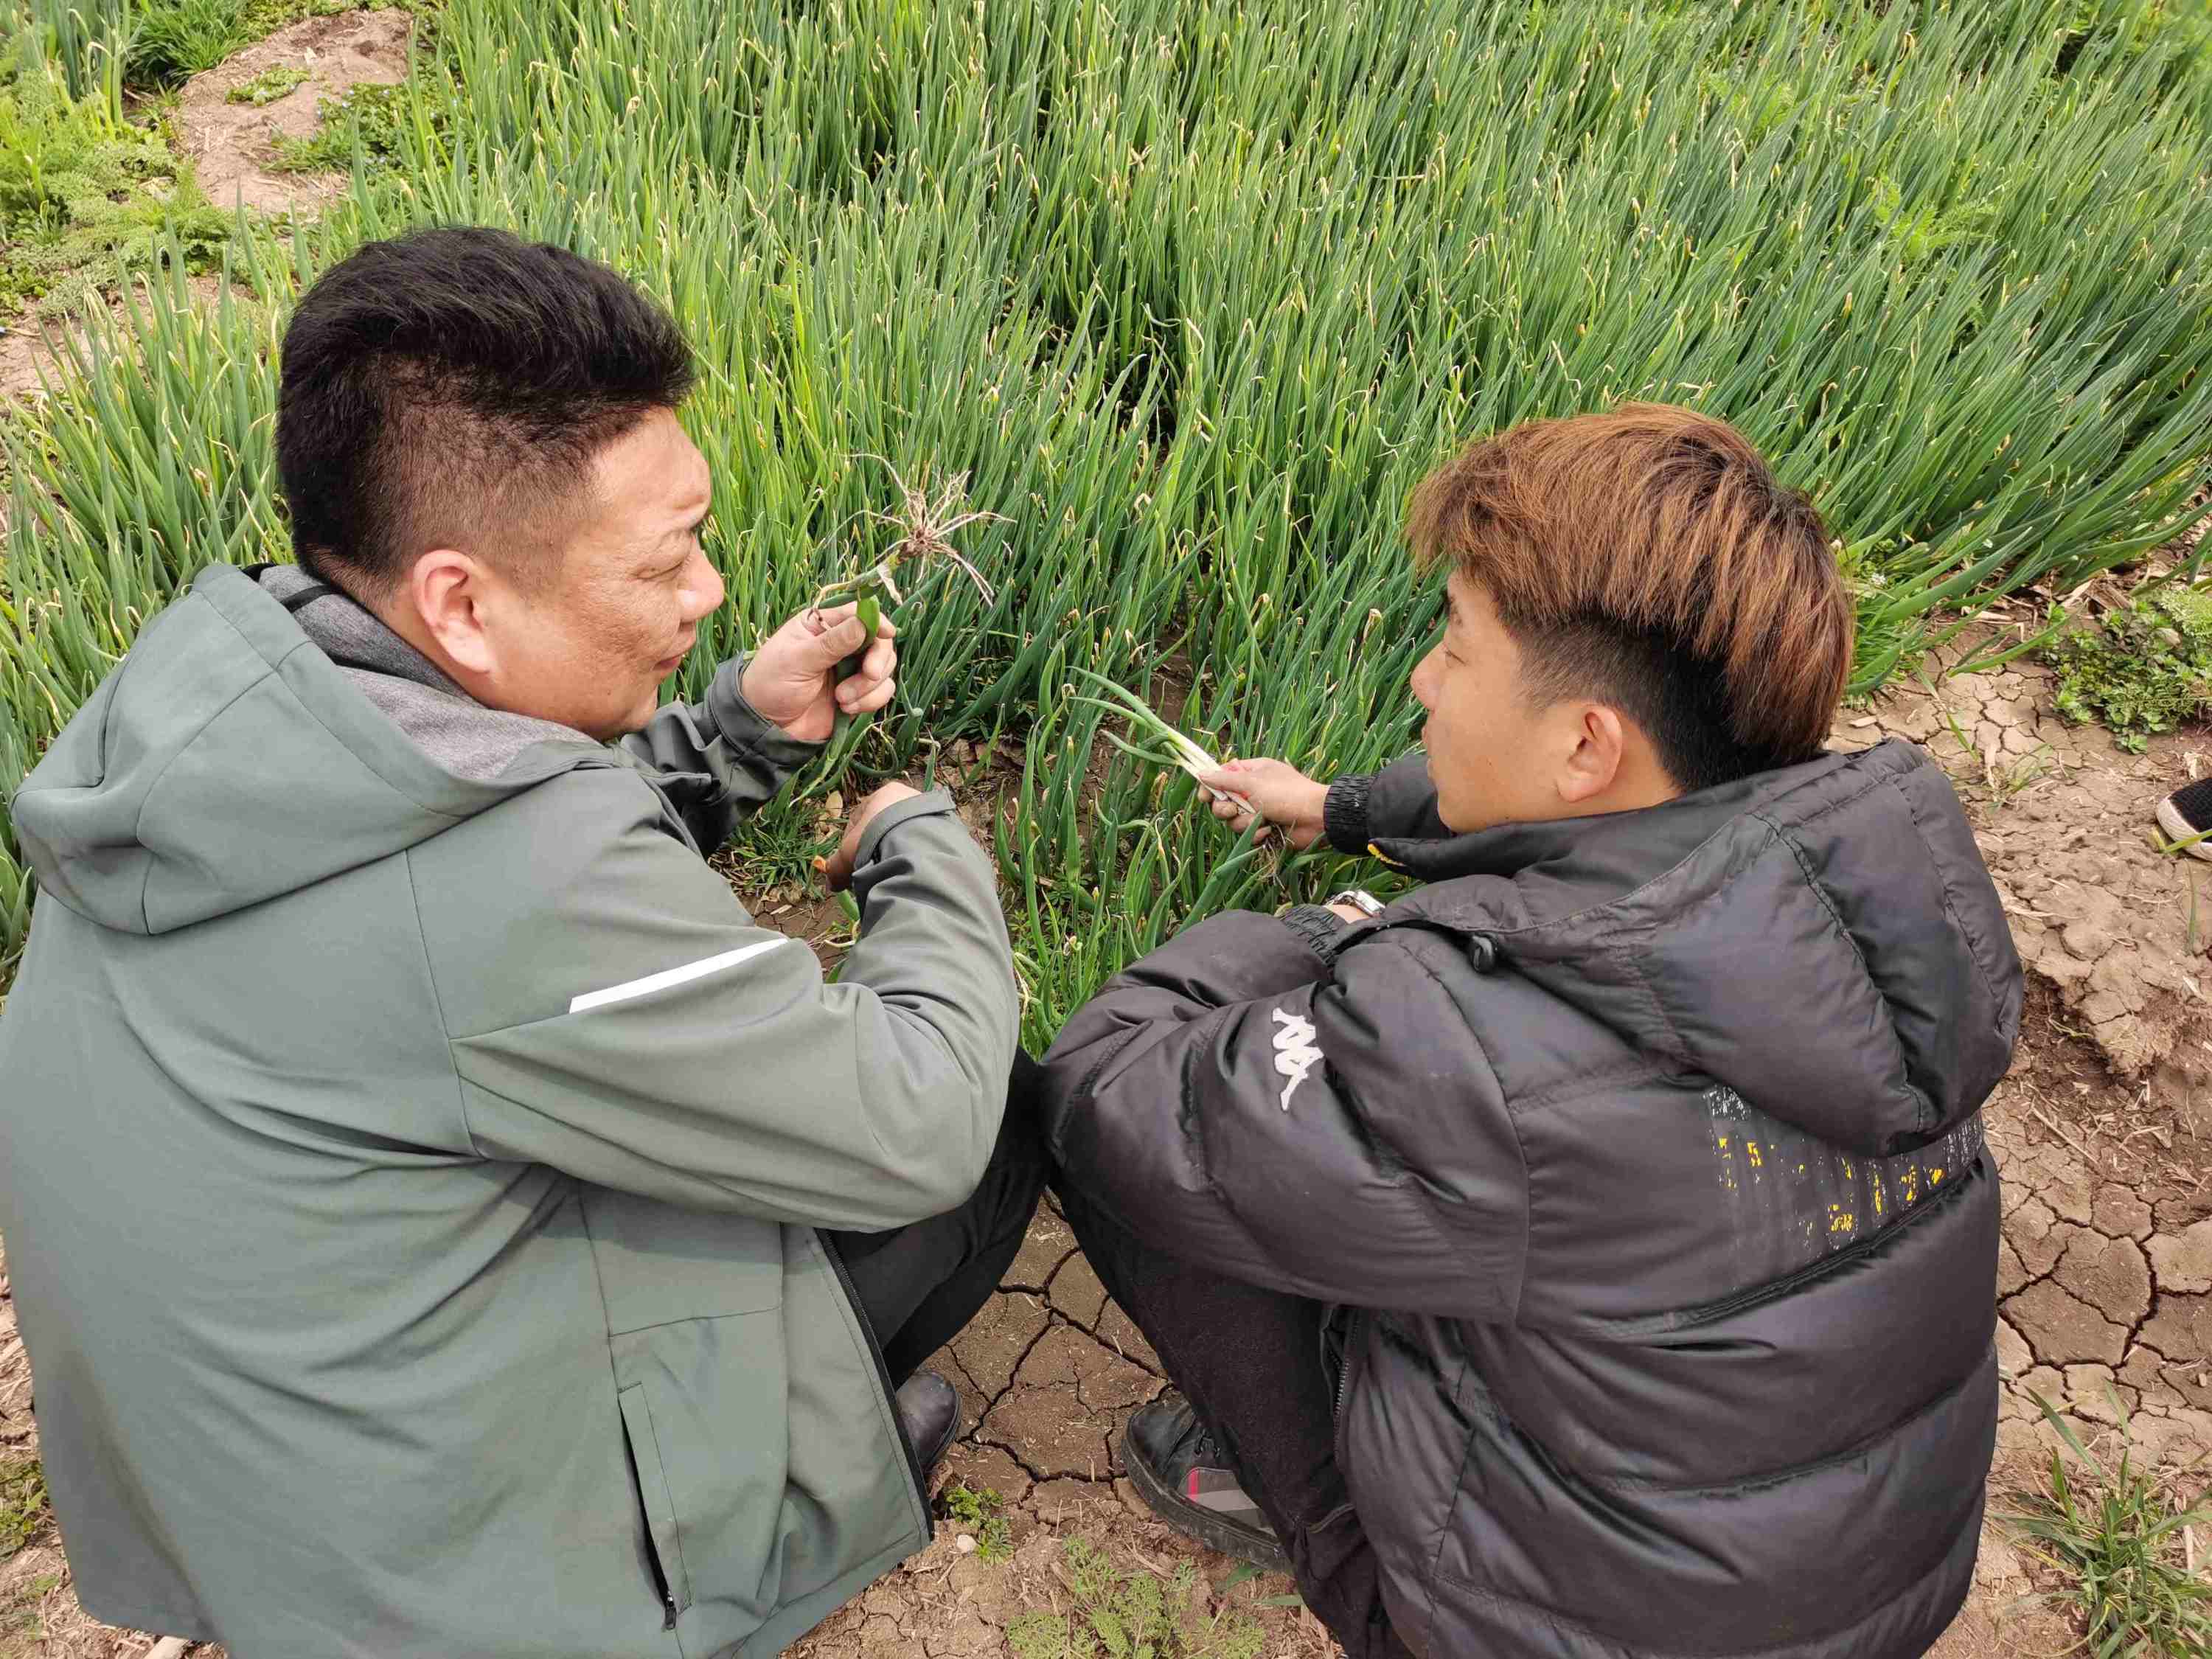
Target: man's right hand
[837,870]
[1282,795]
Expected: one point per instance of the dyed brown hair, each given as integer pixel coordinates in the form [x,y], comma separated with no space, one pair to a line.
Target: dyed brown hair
[1648,557]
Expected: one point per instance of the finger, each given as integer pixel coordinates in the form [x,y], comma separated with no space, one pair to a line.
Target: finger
[819,621]
[854,689]
[837,872]
[872,701]
[839,640]
[882,659]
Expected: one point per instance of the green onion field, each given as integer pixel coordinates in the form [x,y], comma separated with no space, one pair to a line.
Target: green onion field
[1195,290]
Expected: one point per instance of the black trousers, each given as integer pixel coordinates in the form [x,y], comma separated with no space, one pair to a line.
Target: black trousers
[1248,1360]
[920,1283]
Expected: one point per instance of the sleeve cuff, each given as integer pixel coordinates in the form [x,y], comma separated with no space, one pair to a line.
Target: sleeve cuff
[1316,927]
[1344,813]
[745,728]
[936,803]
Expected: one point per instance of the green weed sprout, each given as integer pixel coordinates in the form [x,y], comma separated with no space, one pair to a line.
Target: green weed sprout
[2118,1543]
[277,81]
[979,1511]
[1133,1613]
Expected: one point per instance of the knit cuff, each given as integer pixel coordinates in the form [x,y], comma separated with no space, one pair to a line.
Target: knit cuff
[1344,813]
[1316,925]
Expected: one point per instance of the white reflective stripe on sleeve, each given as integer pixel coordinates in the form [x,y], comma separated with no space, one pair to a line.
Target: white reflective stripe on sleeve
[668,976]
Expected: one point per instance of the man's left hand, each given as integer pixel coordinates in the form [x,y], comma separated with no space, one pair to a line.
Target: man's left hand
[791,681]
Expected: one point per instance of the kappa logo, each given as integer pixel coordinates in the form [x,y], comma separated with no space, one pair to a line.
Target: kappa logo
[1295,1054]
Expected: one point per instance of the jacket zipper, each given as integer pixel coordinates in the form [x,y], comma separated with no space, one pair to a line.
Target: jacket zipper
[1344,1367]
[883,1372]
[652,1548]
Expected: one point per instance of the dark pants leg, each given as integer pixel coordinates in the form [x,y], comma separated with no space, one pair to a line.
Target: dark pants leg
[1248,1360]
[920,1283]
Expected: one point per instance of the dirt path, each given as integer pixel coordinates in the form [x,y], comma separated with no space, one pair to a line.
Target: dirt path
[232,148]
[2102,1131]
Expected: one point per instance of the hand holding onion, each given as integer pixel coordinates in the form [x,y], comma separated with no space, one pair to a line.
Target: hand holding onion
[1275,791]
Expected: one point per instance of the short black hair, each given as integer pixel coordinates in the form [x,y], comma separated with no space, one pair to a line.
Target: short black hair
[443,387]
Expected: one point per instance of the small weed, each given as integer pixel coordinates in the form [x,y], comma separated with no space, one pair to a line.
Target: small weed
[1950,721]
[176,39]
[23,1509]
[366,121]
[1133,1615]
[2140,670]
[277,81]
[87,197]
[2010,778]
[977,1512]
[259,19]
[2118,1540]
[776,846]
[21,1627]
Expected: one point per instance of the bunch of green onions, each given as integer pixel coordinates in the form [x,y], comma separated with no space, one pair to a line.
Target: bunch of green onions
[1168,745]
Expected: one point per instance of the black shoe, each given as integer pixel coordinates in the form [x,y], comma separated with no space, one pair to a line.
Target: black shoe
[2187,813]
[929,1416]
[1182,1475]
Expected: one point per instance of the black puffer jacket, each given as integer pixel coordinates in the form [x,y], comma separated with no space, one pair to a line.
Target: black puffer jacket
[1642,1151]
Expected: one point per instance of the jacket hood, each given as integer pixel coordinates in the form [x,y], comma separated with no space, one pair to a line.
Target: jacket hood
[1823,939]
[227,760]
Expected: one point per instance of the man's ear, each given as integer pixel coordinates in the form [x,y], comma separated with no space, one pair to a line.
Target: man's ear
[1600,744]
[447,592]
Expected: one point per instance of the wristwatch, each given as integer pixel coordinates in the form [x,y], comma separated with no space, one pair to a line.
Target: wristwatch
[1360,899]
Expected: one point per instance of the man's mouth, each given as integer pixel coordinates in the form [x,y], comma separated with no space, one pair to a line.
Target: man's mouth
[668,665]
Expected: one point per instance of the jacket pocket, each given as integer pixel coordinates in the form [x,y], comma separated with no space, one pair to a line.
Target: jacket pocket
[664,1542]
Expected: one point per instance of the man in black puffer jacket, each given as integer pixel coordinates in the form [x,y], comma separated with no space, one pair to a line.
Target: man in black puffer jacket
[1593,1253]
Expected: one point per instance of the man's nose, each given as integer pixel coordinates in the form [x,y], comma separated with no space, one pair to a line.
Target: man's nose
[1424,679]
[704,592]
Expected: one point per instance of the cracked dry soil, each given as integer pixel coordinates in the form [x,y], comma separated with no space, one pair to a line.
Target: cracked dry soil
[2103,1131]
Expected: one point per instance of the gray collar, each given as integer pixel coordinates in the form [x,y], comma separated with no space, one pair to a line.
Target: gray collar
[437,717]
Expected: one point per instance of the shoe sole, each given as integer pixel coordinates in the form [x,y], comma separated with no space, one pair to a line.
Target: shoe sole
[2178,827]
[1210,1530]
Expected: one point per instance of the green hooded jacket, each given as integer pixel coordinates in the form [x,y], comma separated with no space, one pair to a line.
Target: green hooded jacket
[410,1156]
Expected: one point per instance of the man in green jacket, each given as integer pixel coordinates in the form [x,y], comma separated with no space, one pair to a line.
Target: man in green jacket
[418,1171]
